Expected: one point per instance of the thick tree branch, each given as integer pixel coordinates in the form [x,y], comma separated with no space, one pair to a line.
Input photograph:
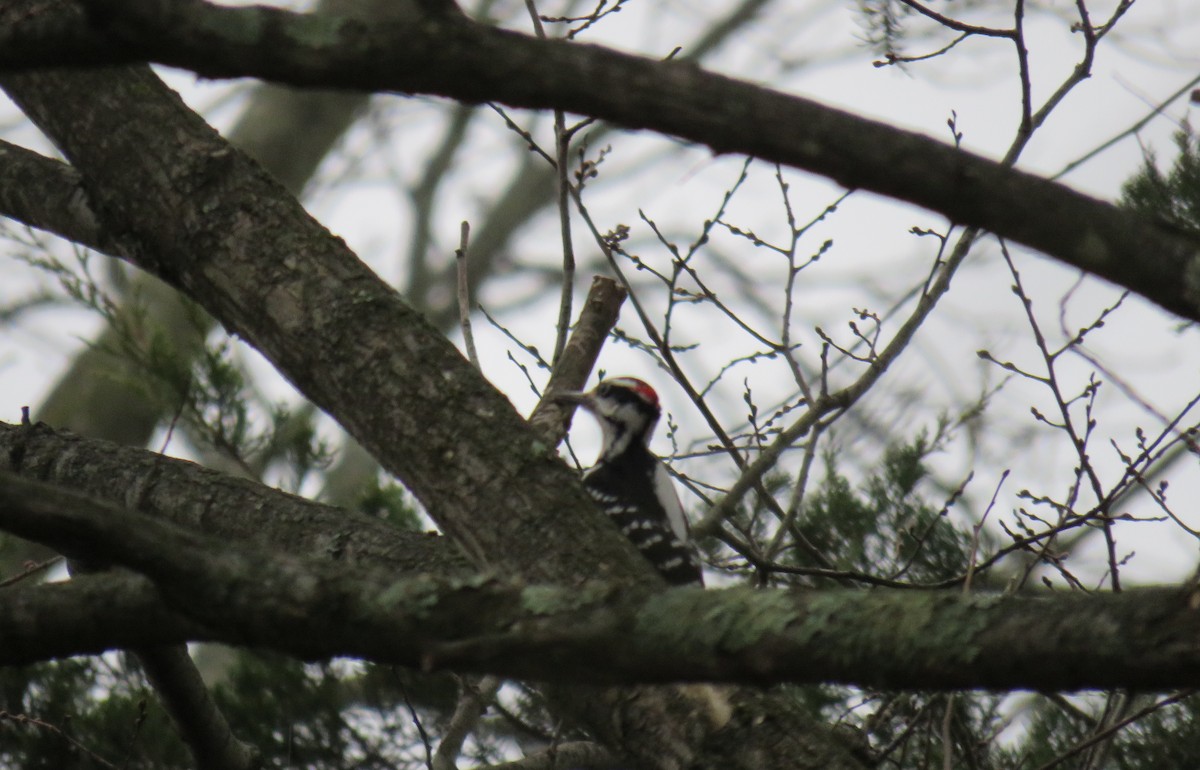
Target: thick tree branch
[220,505]
[446,54]
[200,723]
[87,615]
[1144,639]
[48,194]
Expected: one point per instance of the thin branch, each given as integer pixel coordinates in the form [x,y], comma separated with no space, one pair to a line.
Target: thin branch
[30,570]
[1113,729]
[1138,125]
[471,703]
[200,723]
[892,57]
[464,296]
[41,724]
[562,144]
[976,530]
[530,142]
[827,403]
[1085,469]
[947,735]
[421,731]
[954,24]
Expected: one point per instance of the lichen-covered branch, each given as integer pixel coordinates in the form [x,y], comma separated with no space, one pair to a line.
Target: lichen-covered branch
[599,633]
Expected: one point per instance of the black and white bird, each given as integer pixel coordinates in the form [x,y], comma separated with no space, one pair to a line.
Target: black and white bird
[630,483]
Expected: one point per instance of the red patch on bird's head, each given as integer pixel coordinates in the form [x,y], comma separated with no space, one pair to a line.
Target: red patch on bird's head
[637,386]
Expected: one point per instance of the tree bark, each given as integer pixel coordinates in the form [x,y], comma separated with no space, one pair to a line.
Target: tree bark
[596,633]
[233,509]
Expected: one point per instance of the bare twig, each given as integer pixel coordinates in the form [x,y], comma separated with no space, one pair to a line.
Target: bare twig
[464,296]
[841,400]
[1114,728]
[1136,126]
[30,570]
[892,57]
[416,718]
[24,719]
[1085,471]
[977,529]
[530,142]
[956,25]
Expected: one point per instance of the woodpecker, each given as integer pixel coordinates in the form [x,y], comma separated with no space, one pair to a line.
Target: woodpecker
[630,484]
